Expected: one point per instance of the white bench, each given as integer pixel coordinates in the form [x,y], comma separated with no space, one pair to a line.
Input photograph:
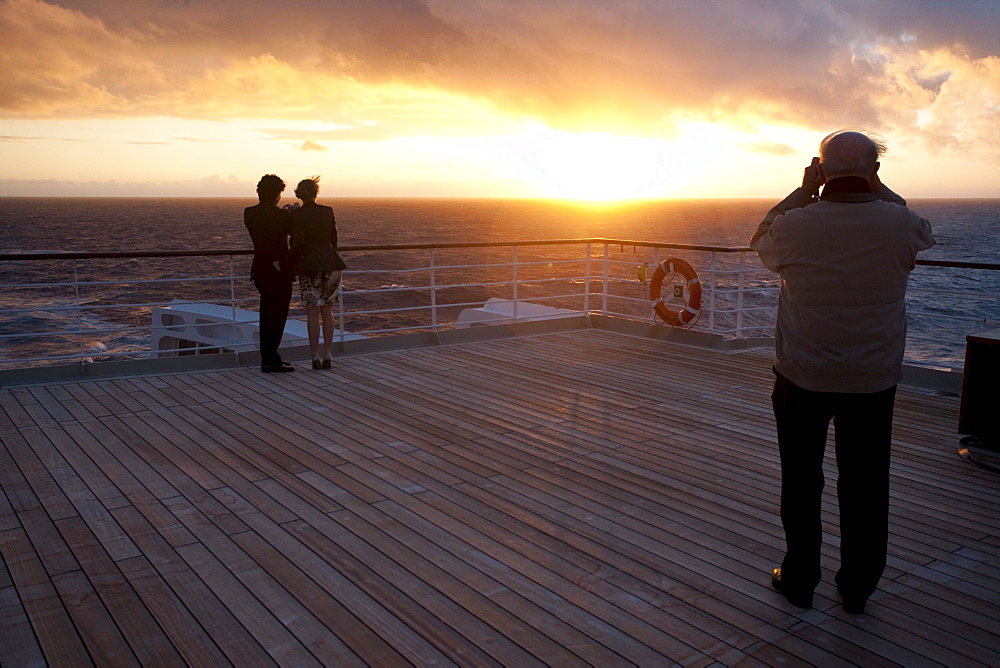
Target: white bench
[186,324]
[498,311]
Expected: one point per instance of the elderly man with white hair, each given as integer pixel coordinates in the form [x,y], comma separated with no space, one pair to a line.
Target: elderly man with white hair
[844,257]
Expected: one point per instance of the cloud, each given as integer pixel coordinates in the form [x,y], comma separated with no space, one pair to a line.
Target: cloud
[309,145]
[201,140]
[922,69]
[771,148]
[54,60]
[21,140]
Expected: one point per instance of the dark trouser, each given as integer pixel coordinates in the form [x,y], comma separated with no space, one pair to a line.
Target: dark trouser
[275,290]
[862,433]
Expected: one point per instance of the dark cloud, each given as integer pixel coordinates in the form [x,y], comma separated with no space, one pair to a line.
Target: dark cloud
[973,26]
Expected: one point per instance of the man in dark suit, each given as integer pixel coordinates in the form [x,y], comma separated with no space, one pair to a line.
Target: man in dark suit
[269,228]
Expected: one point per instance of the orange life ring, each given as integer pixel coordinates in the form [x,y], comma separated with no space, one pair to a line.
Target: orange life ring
[692,306]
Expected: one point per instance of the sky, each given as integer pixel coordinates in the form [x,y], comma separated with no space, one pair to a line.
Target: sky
[586,99]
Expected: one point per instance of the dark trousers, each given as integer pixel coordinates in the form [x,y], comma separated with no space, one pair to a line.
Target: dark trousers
[275,290]
[862,434]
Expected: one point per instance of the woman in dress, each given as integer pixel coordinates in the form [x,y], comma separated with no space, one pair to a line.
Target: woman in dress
[318,265]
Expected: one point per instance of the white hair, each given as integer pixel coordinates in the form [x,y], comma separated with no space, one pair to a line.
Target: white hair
[850,153]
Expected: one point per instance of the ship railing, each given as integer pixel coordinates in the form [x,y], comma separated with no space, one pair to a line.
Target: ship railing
[98,306]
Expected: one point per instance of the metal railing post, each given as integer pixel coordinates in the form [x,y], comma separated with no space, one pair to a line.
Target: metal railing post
[604,287]
[434,314]
[514,278]
[79,311]
[741,285]
[340,308]
[586,283]
[232,307]
[711,294]
[656,263]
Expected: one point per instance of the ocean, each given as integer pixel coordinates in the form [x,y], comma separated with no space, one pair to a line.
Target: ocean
[966,229]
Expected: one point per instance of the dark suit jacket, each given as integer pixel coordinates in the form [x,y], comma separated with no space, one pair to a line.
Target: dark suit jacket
[314,239]
[269,228]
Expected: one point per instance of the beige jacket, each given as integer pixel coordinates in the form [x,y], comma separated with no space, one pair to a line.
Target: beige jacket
[844,262]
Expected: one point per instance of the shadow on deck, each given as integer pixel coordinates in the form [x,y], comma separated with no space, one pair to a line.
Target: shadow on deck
[570,498]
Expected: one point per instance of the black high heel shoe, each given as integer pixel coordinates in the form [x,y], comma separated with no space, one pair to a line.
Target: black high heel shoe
[327,362]
[316,363]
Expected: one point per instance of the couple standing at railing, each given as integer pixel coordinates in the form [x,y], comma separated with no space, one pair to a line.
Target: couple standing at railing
[288,242]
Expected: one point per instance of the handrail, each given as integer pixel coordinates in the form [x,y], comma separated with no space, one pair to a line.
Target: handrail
[959,265]
[86,255]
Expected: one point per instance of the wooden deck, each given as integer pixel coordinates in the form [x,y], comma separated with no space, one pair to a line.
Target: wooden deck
[571,498]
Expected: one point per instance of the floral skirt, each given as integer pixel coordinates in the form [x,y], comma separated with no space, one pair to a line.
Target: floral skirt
[319,288]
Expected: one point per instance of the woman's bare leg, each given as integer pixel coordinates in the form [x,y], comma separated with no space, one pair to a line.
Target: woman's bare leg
[312,325]
[327,313]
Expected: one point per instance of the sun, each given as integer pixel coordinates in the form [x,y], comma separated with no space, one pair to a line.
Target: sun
[594,166]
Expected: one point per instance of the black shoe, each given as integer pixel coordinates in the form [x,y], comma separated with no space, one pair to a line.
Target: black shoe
[284,363]
[852,606]
[796,598]
[277,368]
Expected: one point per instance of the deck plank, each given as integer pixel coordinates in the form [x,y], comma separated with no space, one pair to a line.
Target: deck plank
[108,602]
[17,638]
[22,456]
[579,497]
[45,608]
[194,594]
[191,641]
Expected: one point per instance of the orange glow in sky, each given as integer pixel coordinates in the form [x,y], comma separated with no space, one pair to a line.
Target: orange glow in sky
[563,98]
